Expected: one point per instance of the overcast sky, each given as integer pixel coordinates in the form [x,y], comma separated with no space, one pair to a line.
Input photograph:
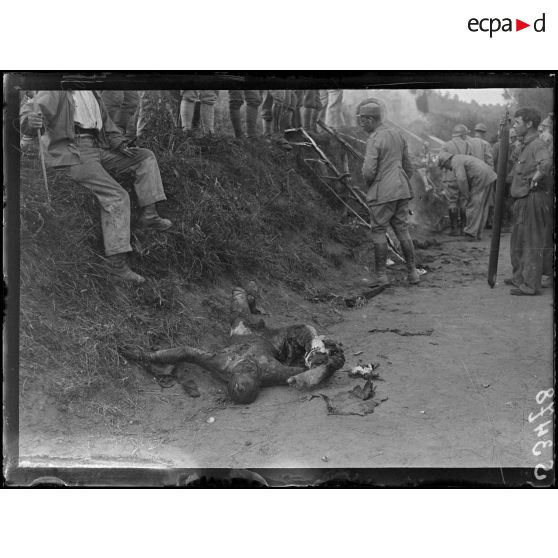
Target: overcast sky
[482,96]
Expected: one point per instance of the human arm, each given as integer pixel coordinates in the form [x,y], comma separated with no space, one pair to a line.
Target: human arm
[370,165]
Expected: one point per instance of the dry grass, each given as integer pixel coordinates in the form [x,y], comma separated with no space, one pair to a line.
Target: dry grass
[239,209]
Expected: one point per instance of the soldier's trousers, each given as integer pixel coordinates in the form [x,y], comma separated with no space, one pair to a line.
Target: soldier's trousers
[332,105]
[283,97]
[455,198]
[477,209]
[394,213]
[237,97]
[311,99]
[530,221]
[93,173]
[123,109]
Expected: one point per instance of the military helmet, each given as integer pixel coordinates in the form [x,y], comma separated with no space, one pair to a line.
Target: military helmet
[480,127]
[443,158]
[459,130]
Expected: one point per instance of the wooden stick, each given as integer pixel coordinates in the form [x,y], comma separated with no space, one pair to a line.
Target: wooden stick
[41,154]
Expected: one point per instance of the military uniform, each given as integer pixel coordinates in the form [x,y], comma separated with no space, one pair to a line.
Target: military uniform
[123,109]
[332,107]
[207,98]
[386,171]
[531,214]
[474,179]
[253,100]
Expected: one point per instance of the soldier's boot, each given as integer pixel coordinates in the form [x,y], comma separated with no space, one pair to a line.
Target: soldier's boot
[278,127]
[380,258]
[117,266]
[453,217]
[462,221]
[236,121]
[409,254]
[251,121]
[150,219]
[187,114]
[207,118]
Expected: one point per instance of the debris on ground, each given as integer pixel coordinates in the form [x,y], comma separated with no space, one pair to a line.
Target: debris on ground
[357,401]
[365,371]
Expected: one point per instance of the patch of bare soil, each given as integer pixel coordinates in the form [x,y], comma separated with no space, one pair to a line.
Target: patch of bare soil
[461,365]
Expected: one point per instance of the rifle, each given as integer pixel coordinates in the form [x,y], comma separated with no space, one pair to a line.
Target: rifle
[499,201]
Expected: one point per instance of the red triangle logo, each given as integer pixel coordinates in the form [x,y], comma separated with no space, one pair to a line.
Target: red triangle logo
[519,25]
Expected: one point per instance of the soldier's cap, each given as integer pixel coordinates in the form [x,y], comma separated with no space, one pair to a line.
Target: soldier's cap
[370,109]
[459,130]
[480,127]
[443,158]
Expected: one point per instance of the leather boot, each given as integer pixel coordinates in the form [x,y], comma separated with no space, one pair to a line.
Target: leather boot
[380,258]
[207,118]
[251,121]
[409,254]
[236,121]
[150,219]
[186,114]
[462,216]
[453,216]
[118,267]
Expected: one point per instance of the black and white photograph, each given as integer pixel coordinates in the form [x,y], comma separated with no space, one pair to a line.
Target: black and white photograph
[341,273]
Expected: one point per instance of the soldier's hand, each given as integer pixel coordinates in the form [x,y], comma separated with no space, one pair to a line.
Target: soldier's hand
[128,151]
[35,120]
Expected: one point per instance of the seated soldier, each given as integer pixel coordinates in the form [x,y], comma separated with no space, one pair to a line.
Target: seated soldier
[257,355]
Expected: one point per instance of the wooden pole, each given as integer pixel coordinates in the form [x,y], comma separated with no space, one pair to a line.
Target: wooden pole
[499,201]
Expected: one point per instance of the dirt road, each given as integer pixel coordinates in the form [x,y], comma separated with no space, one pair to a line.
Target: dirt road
[460,388]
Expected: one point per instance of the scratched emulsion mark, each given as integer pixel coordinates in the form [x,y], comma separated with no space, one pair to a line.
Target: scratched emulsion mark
[404,333]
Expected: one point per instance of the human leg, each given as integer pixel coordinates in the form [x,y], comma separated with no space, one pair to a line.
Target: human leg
[400,224]
[477,209]
[208,98]
[187,106]
[114,207]
[380,216]
[236,100]
[533,216]
[147,183]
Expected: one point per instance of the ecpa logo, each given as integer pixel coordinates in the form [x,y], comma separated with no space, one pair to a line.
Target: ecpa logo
[494,24]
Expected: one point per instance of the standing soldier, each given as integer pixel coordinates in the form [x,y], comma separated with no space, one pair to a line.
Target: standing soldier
[386,171]
[475,180]
[531,211]
[480,148]
[207,98]
[123,108]
[458,145]
[274,117]
[253,100]
[332,105]
[311,106]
